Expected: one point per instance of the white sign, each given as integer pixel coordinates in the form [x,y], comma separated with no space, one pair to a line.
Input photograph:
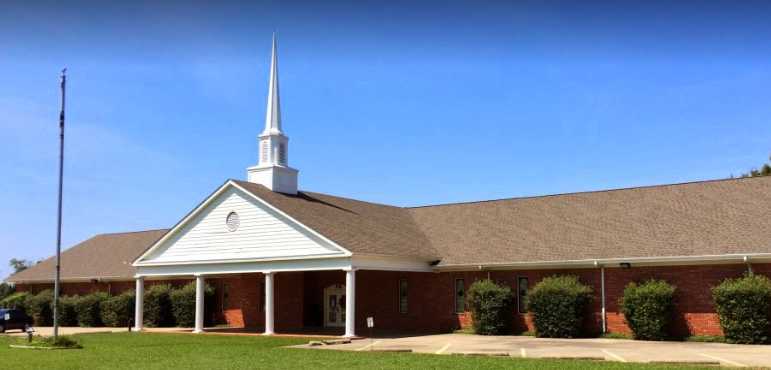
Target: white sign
[370,322]
[7,317]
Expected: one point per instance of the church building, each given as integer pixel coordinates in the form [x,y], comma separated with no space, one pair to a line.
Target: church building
[285,260]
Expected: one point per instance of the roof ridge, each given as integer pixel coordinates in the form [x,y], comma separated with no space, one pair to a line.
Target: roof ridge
[132,232]
[590,191]
[300,191]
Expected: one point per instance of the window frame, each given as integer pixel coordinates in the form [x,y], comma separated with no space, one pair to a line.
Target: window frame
[520,297]
[406,289]
[455,295]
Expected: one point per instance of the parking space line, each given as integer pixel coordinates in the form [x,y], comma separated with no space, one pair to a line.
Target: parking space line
[368,346]
[615,356]
[723,360]
[441,350]
[523,353]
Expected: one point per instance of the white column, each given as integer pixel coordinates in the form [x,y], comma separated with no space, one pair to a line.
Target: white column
[350,303]
[199,300]
[139,305]
[268,303]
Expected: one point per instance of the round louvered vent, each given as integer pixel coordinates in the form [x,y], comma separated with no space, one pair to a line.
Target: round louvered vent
[232,221]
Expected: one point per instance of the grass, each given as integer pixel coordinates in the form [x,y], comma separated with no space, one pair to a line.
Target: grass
[706,338]
[616,336]
[184,351]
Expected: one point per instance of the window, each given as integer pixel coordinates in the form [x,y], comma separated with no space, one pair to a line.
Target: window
[225,296]
[460,296]
[403,302]
[521,294]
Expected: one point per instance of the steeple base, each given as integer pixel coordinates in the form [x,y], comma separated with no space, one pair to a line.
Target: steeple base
[276,178]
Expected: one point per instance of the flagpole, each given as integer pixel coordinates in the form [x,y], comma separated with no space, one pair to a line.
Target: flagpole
[59,212]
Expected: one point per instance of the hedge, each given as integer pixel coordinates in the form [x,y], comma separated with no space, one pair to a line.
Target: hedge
[559,305]
[648,308]
[157,306]
[183,303]
[67,312]
[39,307]
[118,311]
[744,307]
[16,300]
[89,309]
[491,307]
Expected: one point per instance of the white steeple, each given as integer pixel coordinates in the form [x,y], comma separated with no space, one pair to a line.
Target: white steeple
[273,169]
[273,111]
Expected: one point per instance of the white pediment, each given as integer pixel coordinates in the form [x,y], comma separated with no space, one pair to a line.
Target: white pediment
[256,232]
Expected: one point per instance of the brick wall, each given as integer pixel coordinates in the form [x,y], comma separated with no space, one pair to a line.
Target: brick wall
[431,307]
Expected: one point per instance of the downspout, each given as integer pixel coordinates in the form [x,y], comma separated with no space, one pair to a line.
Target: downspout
[602,295]
[749,265]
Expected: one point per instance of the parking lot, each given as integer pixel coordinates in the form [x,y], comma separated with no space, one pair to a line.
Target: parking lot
[597,349]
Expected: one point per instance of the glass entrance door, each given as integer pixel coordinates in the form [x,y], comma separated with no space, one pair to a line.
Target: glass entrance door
[334,306]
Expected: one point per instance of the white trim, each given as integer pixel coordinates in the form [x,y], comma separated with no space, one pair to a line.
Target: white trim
[246,267]
[635,261]
[230,183]
[208,262]
[382,263]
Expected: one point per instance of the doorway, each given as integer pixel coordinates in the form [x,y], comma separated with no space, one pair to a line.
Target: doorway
[334,306]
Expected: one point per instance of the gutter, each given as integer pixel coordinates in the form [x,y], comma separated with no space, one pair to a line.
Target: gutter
[607,262]
[73,280]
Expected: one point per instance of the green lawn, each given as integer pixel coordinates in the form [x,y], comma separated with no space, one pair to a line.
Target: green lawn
[184,351]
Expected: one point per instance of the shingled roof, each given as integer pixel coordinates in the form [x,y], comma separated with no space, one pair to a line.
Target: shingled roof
[708,218]
[705,218]
[105,256]
[360,227]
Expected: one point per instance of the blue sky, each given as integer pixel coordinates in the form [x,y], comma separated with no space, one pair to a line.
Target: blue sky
[399,102]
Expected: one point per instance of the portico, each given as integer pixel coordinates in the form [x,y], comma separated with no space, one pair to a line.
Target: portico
[269,305]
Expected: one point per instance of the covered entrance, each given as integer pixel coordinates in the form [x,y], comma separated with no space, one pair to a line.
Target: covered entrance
[287,276]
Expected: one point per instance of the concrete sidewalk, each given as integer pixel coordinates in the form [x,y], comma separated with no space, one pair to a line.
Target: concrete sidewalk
[47,331]
[599,349]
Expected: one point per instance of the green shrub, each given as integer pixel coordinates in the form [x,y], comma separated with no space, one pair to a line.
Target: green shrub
[491,307]
[648,308]
[157,306]
[559,305]
[88,309]
[62,341]
[118,311]
[744,306]
[67,312]
[183,303]
[39,307]
[16,300]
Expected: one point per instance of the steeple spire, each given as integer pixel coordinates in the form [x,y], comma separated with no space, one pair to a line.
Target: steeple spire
[273,111]
[272,169]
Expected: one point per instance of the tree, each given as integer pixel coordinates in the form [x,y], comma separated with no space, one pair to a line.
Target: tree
[19,265]
[765,170]
[5,290]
